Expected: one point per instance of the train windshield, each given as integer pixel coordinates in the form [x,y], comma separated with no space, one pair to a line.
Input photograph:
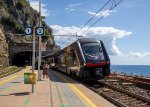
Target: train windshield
[93,51]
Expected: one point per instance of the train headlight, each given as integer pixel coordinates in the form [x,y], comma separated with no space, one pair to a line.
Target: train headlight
[108,62]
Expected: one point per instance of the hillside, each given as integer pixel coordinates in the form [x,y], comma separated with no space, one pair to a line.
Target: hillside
[14,15]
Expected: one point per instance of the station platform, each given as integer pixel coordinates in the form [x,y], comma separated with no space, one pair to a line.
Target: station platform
[58,90]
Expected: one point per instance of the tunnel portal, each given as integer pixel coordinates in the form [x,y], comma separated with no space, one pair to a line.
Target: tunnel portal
[22,59]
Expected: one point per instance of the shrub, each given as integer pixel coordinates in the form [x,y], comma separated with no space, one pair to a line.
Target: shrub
[47,36]
[19,28]
[8,71]
[14,67]
[11,21]
[21,4]
[47,32]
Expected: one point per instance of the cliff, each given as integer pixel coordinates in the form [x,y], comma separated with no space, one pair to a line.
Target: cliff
[3,50]
[14,15]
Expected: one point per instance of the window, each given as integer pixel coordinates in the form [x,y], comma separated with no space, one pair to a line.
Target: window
[71,59]
[93,51]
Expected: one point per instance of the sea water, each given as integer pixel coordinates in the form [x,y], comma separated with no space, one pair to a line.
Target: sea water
[132,69]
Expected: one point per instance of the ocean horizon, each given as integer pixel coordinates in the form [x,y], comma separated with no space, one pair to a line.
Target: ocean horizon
[132,69]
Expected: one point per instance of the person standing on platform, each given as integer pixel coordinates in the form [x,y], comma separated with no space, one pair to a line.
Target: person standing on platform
[45,70]
[41,70]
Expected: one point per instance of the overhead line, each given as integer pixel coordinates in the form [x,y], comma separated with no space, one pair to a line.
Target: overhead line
[89,20]
[103,16]
[93,16]
[111,8]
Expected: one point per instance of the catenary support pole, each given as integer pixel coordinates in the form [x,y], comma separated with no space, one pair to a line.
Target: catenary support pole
[40,52]
[33,56]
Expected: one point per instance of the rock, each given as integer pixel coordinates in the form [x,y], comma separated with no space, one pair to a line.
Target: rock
[3,50]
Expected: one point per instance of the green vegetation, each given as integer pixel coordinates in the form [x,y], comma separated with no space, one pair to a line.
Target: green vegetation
[8,71]
[12,23]
[19,28]
[11,9]
[9,21]
[22,3]
[47,32]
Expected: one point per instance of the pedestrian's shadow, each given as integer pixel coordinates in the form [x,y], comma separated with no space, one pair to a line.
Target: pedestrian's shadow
[17,94]
[20,94]
[3,95]
[16,82]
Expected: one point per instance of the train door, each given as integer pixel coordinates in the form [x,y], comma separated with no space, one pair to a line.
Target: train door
[72,63]
[61,63]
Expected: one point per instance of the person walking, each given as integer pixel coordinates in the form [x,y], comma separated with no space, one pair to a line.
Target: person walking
[45,70]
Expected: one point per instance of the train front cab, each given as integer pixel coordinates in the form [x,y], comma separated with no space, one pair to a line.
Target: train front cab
[96,63]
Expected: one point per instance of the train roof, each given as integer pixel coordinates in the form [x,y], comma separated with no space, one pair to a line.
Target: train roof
[81,40]
[49,55]
[84,40]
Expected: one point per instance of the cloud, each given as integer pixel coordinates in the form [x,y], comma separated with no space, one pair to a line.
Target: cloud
[71,7]
[69,10]
[138,54]
[74,5]
[35,5]
[102,13]
[109,35]
[129,60]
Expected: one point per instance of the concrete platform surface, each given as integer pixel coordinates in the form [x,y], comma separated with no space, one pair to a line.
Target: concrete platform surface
[95,99]
[14,93]
[57,91]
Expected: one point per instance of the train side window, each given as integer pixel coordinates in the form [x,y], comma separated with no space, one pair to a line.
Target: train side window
[63,59]
[69,59]
[75,59]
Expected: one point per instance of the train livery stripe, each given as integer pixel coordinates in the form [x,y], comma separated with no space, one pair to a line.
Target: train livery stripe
[80,94]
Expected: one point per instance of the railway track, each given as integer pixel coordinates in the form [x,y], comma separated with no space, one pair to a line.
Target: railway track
[128,88]
[119,92]
[125,95]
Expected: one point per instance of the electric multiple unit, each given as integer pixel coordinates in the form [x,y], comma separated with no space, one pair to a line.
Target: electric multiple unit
[86,58]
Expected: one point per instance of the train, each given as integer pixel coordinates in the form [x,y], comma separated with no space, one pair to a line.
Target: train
[85,58]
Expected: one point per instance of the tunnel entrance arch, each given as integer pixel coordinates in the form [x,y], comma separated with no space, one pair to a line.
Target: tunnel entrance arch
[22,58]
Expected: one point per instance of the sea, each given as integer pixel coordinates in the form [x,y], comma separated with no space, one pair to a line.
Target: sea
[141,70]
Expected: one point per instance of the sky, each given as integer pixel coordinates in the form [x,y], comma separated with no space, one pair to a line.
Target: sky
[125,30]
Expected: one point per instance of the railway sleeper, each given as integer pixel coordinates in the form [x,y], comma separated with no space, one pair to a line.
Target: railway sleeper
[128,93]
[124,99]
[144,105]
[137,102]
[112,100]
[133,100]
[124,102]
[121,99]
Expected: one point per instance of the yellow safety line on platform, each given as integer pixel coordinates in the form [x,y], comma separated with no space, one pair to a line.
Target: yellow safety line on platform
[18,75]
[75,89]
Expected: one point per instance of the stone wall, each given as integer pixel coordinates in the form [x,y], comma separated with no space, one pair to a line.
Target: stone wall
[4,61]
